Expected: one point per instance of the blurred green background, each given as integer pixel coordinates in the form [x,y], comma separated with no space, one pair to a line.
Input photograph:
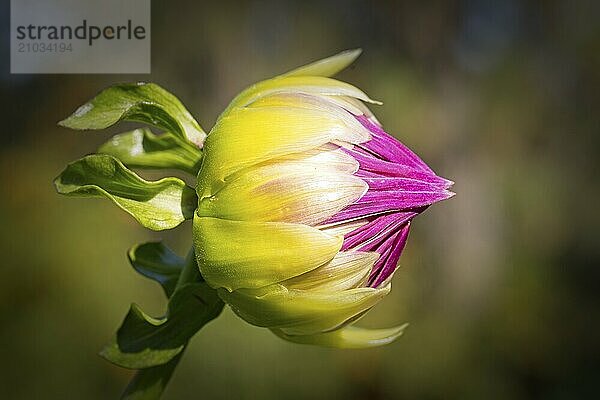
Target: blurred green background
[501,284]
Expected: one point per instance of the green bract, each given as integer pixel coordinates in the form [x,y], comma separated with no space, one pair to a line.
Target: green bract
[152,345]
[143,149]
[158,205]
[140,102]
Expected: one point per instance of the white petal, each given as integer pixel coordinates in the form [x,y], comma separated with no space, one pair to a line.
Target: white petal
[291,191]
[347,270]
[343,228]
[315,85]
[354,106]
[326,156]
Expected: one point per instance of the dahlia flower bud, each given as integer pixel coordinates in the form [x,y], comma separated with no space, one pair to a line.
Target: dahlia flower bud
[305,205]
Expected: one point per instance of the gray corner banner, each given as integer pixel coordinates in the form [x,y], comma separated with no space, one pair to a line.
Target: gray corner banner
[79,37]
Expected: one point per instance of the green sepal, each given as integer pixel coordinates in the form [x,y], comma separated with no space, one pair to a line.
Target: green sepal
[156,261]
[144,342]
[157,205]
[139,102]
[141,148]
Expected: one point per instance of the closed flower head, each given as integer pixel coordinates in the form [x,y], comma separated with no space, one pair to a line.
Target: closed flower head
[305,205]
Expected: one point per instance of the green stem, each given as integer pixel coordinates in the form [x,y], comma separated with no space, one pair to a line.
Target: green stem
[150,383]
[190,271]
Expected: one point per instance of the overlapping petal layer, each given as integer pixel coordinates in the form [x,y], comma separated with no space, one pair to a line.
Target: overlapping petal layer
[305,205]
[301,312]
[287,191]
[248,136]
[249,254]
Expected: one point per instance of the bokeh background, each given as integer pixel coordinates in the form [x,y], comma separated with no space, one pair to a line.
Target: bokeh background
[501,284]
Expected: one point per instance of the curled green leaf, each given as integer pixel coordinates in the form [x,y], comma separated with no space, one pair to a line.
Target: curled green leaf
[156,261]
[143,341]
[140,102]
[157,205]
[141,148]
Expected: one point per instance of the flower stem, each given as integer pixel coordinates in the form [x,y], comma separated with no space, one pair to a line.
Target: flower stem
[189,273]
[150,383]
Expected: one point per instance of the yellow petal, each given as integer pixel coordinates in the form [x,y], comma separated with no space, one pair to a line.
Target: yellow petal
[348,270]
[328,66]
[286,192]
[301,312]
[248,136]
[242,254]
[349,337]
[356,133]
